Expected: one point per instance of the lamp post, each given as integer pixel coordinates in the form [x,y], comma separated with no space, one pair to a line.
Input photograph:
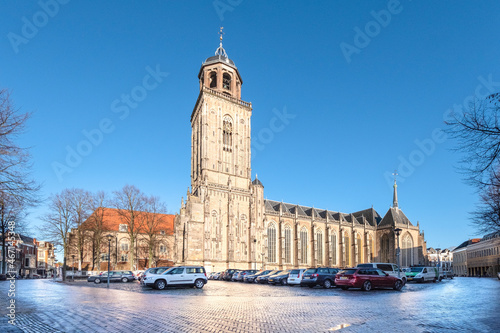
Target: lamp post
[109,253]
[438,250]
[73,256]
[398,231]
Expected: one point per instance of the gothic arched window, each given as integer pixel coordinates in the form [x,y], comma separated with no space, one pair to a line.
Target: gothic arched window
[384,248]
[303,246]
[227,133]
[288,244]
[213,80]
[271,238]
[333,246]
[319,247]
[226,81]
[407,251]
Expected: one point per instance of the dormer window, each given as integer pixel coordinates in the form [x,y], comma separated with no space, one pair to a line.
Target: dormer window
[123,228]
[226,81]
[213,80]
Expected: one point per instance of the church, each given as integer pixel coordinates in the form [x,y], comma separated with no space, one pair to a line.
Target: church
[225,222]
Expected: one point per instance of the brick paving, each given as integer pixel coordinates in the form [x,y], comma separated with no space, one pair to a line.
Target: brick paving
[458,305]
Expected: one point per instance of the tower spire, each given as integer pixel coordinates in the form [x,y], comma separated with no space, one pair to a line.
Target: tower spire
[220,50]
[395,195]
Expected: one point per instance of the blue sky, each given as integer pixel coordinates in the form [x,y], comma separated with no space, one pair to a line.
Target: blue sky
[366,86]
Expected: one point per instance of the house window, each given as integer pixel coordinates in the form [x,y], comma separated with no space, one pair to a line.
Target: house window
[124,257]
[163,248]
[104,256]
[27,262]
[123,228]
[124,246]
[271,236]
[162,232]
[41,255]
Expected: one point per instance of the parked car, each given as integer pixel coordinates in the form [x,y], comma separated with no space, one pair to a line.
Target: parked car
[114,276]
[391,269]
[151,271]
[244,273]
[192,276]
[295,277]
[217,276]
[498,275]
[280,278]
[228,274]
[265,277]
[321,276]
[366,279]
[422,274]
[138,274]
[235,275]
[252,277]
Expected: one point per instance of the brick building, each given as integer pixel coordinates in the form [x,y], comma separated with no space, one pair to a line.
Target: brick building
[112,241]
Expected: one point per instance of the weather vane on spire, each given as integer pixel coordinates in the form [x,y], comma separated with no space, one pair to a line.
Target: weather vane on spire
[221,33]
[395,174]
[220,50]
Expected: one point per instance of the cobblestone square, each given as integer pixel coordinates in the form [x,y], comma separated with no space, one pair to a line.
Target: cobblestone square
[458,305]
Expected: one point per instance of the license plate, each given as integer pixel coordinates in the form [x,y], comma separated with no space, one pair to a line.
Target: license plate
[343,278]
[292,279]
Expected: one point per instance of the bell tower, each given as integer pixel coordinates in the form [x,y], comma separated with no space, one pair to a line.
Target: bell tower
[220,123]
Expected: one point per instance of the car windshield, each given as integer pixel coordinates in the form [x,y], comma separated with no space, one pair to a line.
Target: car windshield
[416,269]
[348,271]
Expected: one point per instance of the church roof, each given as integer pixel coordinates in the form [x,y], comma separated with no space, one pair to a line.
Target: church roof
[393,217]
[256,181]
[371,216]
[272,206]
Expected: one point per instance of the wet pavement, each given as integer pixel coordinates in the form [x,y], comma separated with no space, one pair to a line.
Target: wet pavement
[458,305]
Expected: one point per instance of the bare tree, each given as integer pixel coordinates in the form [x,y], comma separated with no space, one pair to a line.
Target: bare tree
[12,214]
[130,203]
[80,210]
[15,165]
[478,134]
[486,216]
[96,226]
[59,221]
[154,220]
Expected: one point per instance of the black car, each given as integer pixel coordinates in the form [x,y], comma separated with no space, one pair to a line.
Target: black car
[114,276]
[265,277]
[280,278]
[228,274]
[322,276]
[252,277]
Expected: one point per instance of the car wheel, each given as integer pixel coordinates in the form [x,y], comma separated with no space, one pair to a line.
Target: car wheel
[199,284]
[124,279]
[160,284]
[284,282]
[344,287]
[398,285]
[367,286]
[434,280]
[97,281]
[327,284]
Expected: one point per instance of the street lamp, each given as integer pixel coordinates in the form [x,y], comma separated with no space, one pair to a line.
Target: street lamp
[109,252]
[73,256]
[398,231]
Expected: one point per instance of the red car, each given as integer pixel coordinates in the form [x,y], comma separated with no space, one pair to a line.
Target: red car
[366,279]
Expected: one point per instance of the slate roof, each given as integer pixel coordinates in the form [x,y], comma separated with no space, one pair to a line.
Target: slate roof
[495,234]
[393,217]
[257,182]
[273,206]
[372,217]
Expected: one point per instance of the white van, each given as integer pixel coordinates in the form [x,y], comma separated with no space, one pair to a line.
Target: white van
[423,274]
[391,269]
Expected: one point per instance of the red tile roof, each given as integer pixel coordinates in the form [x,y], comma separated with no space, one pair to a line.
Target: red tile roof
[112,218]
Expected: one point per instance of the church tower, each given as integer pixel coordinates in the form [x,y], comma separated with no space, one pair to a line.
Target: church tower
[217,224]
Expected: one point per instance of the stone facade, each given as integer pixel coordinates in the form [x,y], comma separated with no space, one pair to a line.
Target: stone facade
[225,221]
